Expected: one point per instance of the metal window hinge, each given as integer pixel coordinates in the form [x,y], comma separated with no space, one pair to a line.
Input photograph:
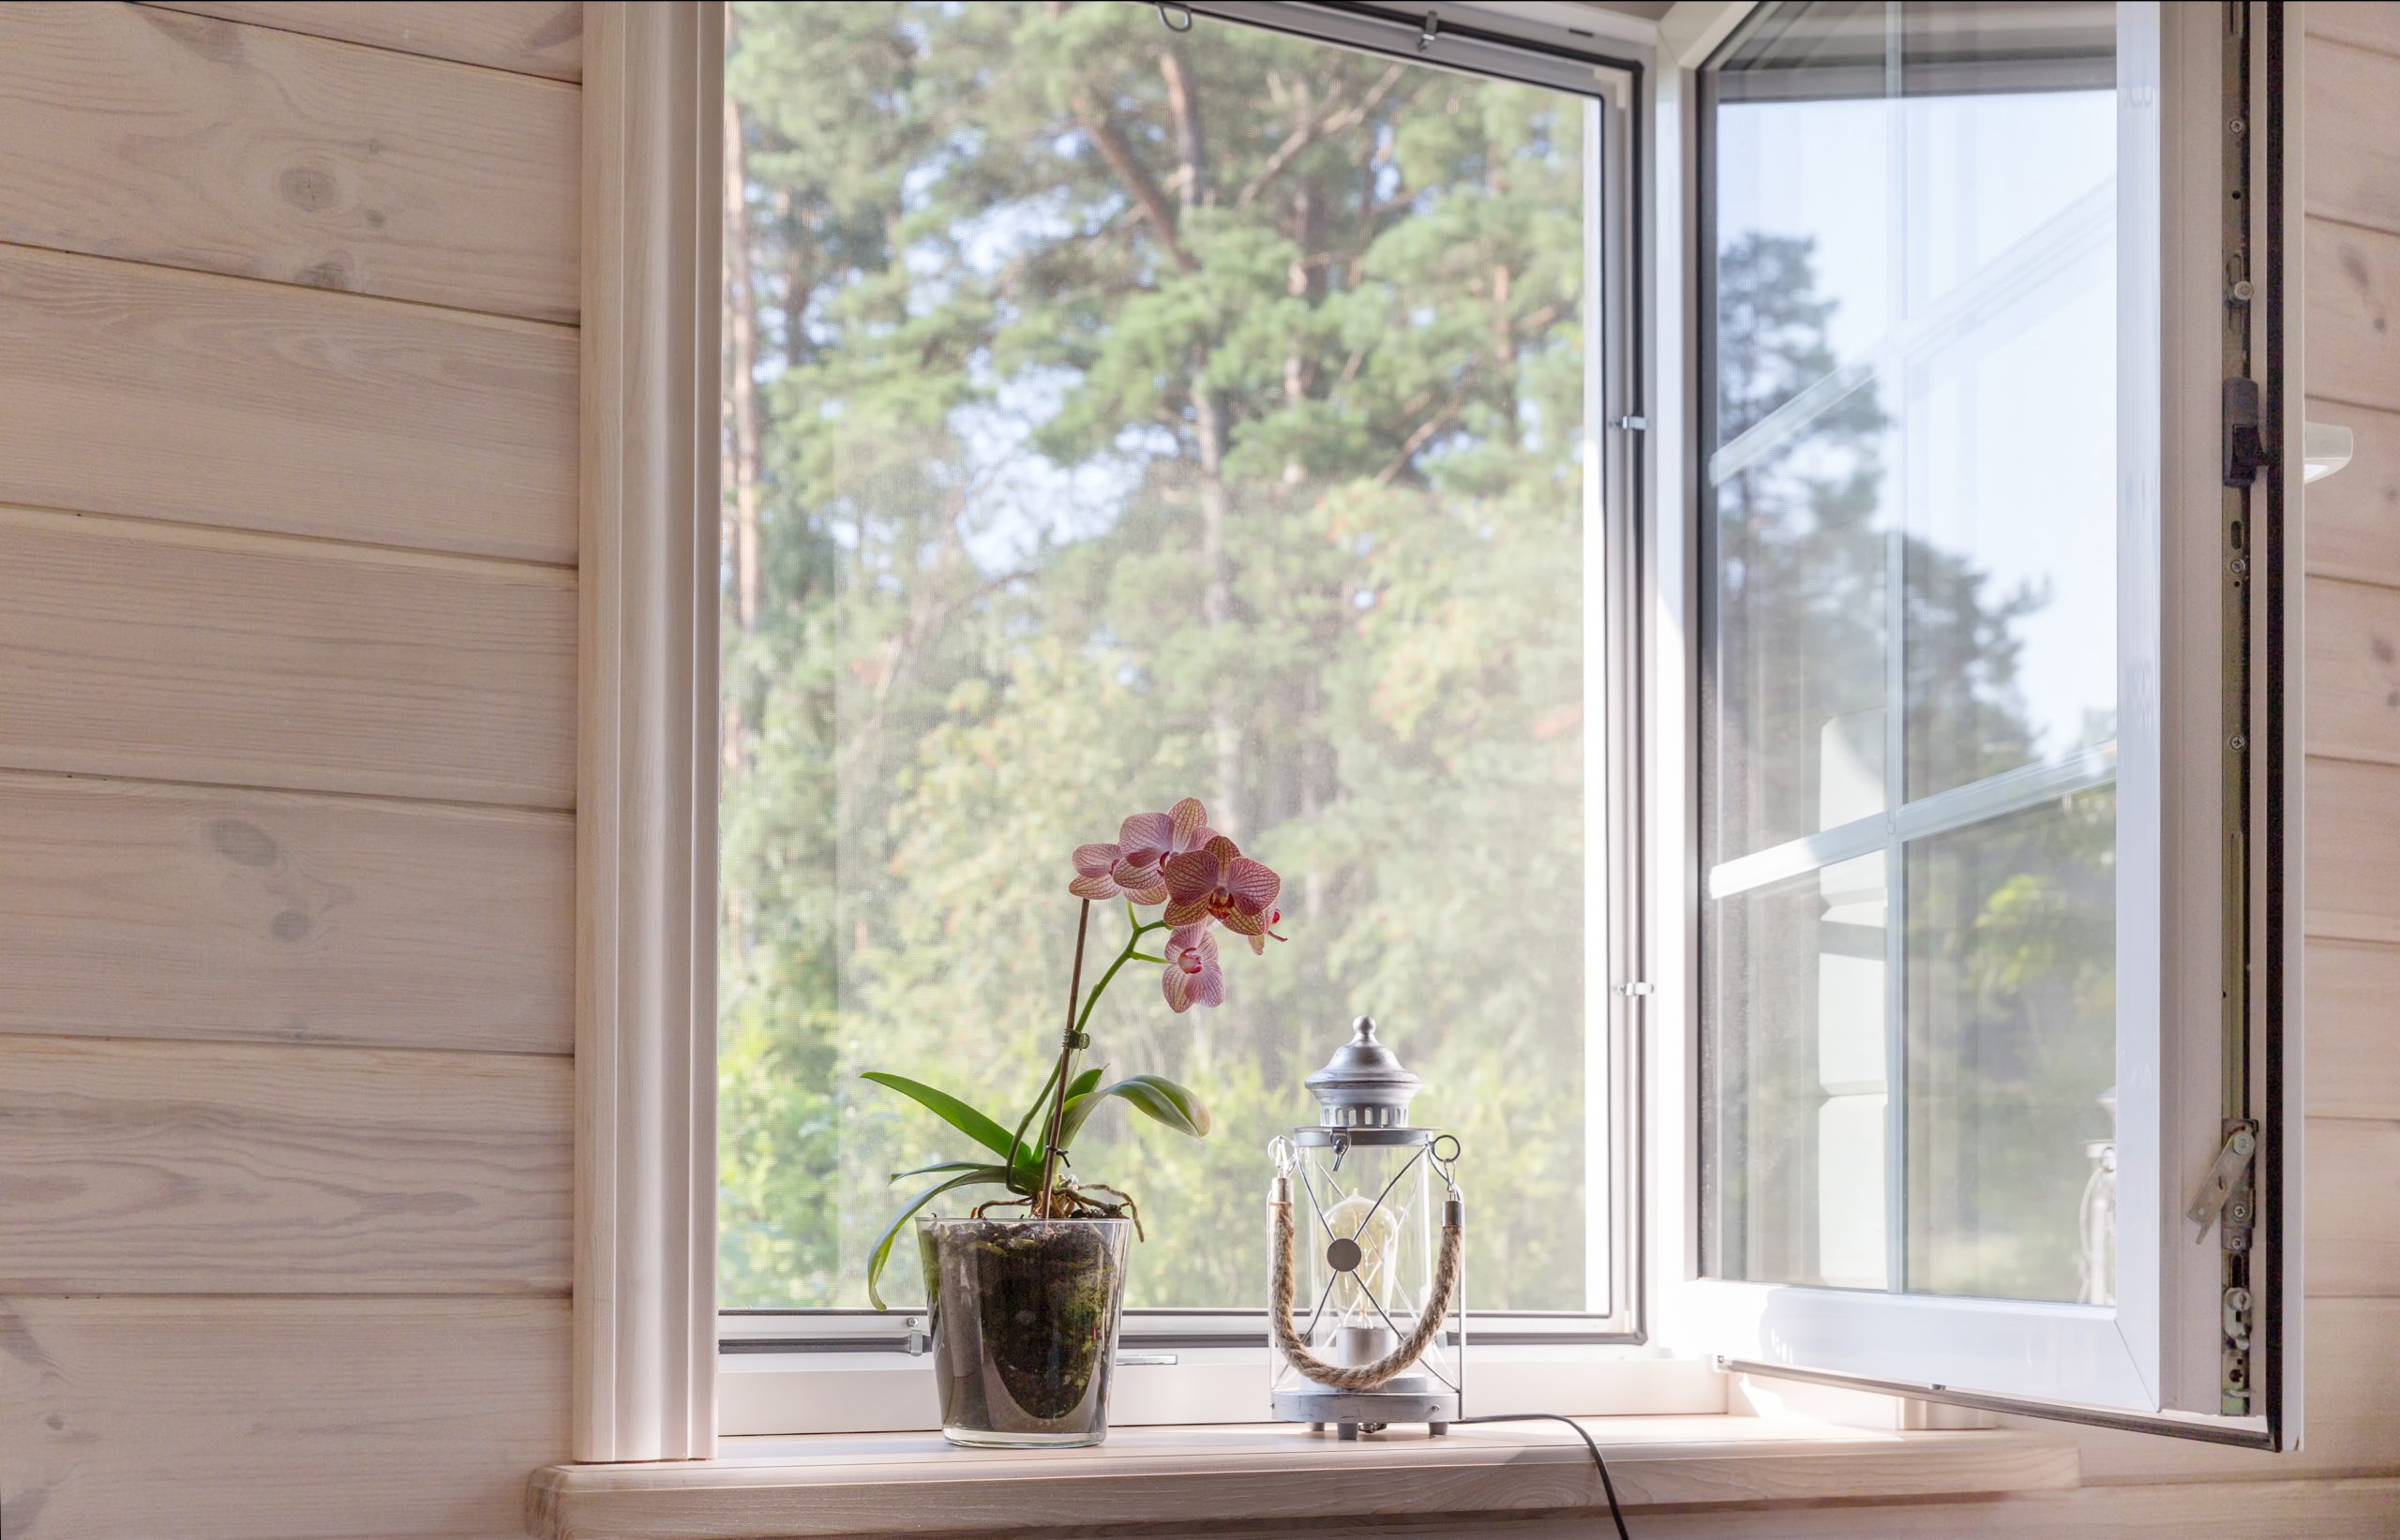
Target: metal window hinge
[2225,1189]
[1633,424]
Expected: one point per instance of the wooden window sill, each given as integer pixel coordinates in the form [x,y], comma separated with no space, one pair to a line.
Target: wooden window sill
[913,1484]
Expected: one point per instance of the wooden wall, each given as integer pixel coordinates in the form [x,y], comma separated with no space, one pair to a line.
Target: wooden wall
[288,437]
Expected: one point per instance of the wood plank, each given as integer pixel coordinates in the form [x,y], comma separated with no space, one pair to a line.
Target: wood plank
[241,1167]
[2354,516]
[151,135]
[2352,135]
[2353,1008]
[2352,1412]
[1148,1478]
[263,1419]
[2353,670]
[2375,25]
[151,650]
[139,390]
[2287,1510]
[2351,837]
[134,910]
[2353,1209]
[2351,281]
[530,37]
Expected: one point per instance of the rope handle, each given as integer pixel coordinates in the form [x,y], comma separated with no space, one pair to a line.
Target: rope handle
[1390,1366]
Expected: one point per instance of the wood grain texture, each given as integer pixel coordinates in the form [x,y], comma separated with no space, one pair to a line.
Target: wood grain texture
[2352,148]
[529,36]
[276,1419]
[1142,1478]
[238,1168]
[2351,282]
[135,910]
[2354,516]
[2353,1209]
[2353,1345]
[138,390]
[2283,1510]
[2353,671]
[150,651]
[2362,24]
[149,134]
[2353,1031]
[2352,850]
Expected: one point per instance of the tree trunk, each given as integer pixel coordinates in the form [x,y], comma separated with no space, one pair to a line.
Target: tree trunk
[741,327]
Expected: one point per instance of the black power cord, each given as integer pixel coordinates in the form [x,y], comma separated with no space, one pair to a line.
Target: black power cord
[1607,1486]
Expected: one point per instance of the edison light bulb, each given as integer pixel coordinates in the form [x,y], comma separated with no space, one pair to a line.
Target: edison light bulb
[1374,1234]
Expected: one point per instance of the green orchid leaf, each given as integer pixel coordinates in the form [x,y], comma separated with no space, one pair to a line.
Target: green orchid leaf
[959,1116]
[882,1252]
[1155,1094]
[940,1167]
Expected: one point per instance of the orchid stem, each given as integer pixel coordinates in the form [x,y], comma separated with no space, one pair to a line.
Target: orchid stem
[1042,1203]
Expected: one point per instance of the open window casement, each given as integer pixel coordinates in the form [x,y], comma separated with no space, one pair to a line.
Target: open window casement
[1976,762]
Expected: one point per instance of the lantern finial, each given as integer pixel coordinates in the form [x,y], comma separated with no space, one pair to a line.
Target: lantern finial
[1364,1084]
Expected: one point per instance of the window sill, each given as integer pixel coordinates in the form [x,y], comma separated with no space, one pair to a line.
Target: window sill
[903,1483]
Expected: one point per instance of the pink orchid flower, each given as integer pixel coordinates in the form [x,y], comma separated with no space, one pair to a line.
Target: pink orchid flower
[1218,883]
[1130,867]
[1193,975]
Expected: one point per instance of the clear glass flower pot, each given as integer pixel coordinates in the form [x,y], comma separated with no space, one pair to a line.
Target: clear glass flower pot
[1024,1320]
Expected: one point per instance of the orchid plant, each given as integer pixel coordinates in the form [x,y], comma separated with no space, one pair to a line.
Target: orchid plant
[1204,882]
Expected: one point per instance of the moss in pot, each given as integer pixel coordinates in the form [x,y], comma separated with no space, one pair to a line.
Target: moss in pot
[1028,1290]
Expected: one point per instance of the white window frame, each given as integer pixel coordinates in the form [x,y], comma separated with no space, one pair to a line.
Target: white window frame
[2152,1357]
[646,1353]
[840,1370]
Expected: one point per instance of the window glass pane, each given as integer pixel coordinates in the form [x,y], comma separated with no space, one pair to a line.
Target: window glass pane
[1114,416]
[1796,1074]
[1910,494]
[2012,1054]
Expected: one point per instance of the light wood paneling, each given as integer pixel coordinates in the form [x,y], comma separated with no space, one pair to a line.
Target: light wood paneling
[226,1167]
[134,910]
[152,650]
[2283,1510]
[2354,671]
[2353,149]
[2353,1029]
[140,390]
[530,37]
[2353,1209]
[2351,279]
[2352,838]
[2353,1346]
[2354,517]
[276,1419]
[148,134]
[847,1485]
[2364,24]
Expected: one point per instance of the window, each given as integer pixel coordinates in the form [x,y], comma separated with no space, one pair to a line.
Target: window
[1805,789]
[1116,413]
[1979,986]
[1909,818]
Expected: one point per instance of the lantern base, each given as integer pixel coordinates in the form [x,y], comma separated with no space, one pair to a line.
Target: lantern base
[1348,1408]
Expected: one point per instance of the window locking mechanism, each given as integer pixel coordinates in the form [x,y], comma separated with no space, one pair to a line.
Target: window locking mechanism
[2245,449]
[2225,1189]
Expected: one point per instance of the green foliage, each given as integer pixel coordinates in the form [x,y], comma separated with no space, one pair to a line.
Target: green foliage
[1153,1095]
[959,1116]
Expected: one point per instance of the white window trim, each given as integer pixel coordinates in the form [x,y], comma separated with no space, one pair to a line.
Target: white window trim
[645,1043]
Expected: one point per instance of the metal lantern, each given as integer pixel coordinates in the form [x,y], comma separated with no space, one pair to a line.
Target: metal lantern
[1367,1312]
